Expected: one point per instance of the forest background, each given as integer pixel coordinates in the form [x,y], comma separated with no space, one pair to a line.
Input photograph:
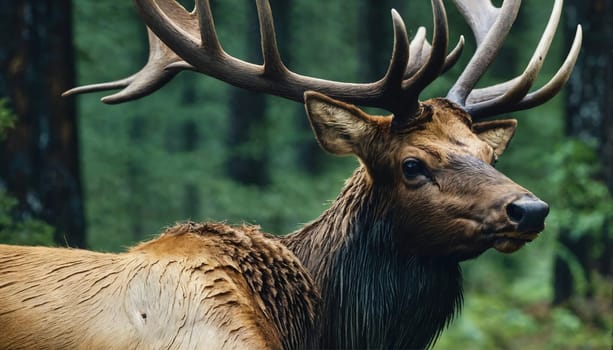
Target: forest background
[76,172]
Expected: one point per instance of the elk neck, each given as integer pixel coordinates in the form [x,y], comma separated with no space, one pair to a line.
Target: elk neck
[373,296]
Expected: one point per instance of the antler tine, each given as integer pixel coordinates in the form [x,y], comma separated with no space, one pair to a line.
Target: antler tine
[432,69]
[556,83]
[490,26]
[519,86]
[273,65]
[537,97]
[162,65]
[206,25]
[480,16]
[454,55]
[400,55]
[420,51]
[402,105]
[490,100]
[513,94]
[414,84]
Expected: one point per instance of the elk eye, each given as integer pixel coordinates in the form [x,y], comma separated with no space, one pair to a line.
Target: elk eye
[414,168]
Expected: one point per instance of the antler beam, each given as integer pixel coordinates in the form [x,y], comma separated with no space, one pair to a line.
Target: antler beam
[189,41]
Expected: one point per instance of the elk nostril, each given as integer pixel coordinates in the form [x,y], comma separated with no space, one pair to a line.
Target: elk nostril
[529,214]
[515,212]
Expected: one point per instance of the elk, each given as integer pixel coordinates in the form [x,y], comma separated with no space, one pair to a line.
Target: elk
[196,286]
[386,254]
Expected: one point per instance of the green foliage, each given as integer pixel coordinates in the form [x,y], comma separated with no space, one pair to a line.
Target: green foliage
[26,232]
[7,118]
[493,322]
[584,204]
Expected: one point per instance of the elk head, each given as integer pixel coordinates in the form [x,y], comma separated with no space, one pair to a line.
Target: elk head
[435,174]
[430,161]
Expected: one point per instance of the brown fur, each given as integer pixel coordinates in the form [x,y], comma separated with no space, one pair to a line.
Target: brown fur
[196,286]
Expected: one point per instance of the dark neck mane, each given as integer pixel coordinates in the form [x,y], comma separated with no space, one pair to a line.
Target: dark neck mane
[374,297]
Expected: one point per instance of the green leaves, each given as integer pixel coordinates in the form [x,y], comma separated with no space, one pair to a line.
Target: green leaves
[7,118]
[583,202]
[27,231]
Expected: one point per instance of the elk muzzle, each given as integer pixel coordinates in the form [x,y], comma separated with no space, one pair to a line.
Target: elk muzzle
[526,217]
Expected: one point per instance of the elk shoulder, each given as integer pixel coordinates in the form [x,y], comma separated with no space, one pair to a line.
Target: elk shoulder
[195,286]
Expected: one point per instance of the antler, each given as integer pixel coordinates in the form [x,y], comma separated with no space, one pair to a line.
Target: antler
[189,41]
[420,50]
[490,26]
[162,65]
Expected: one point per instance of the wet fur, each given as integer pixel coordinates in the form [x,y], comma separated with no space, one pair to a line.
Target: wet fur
[374,295]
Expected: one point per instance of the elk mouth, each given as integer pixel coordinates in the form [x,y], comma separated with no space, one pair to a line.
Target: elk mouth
[511,241]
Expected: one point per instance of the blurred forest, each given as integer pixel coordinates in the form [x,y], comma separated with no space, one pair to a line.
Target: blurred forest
[81,173]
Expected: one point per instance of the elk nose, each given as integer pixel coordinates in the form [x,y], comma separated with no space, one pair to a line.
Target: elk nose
[529,214]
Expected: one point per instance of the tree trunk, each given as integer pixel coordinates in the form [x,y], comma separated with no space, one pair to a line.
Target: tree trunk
[589,117]
[590,87]
[40,159]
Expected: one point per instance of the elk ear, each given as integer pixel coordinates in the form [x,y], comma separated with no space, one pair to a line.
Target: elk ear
[338,126]
[496,133]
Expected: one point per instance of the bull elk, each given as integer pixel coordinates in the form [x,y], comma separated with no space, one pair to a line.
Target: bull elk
[385,256]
